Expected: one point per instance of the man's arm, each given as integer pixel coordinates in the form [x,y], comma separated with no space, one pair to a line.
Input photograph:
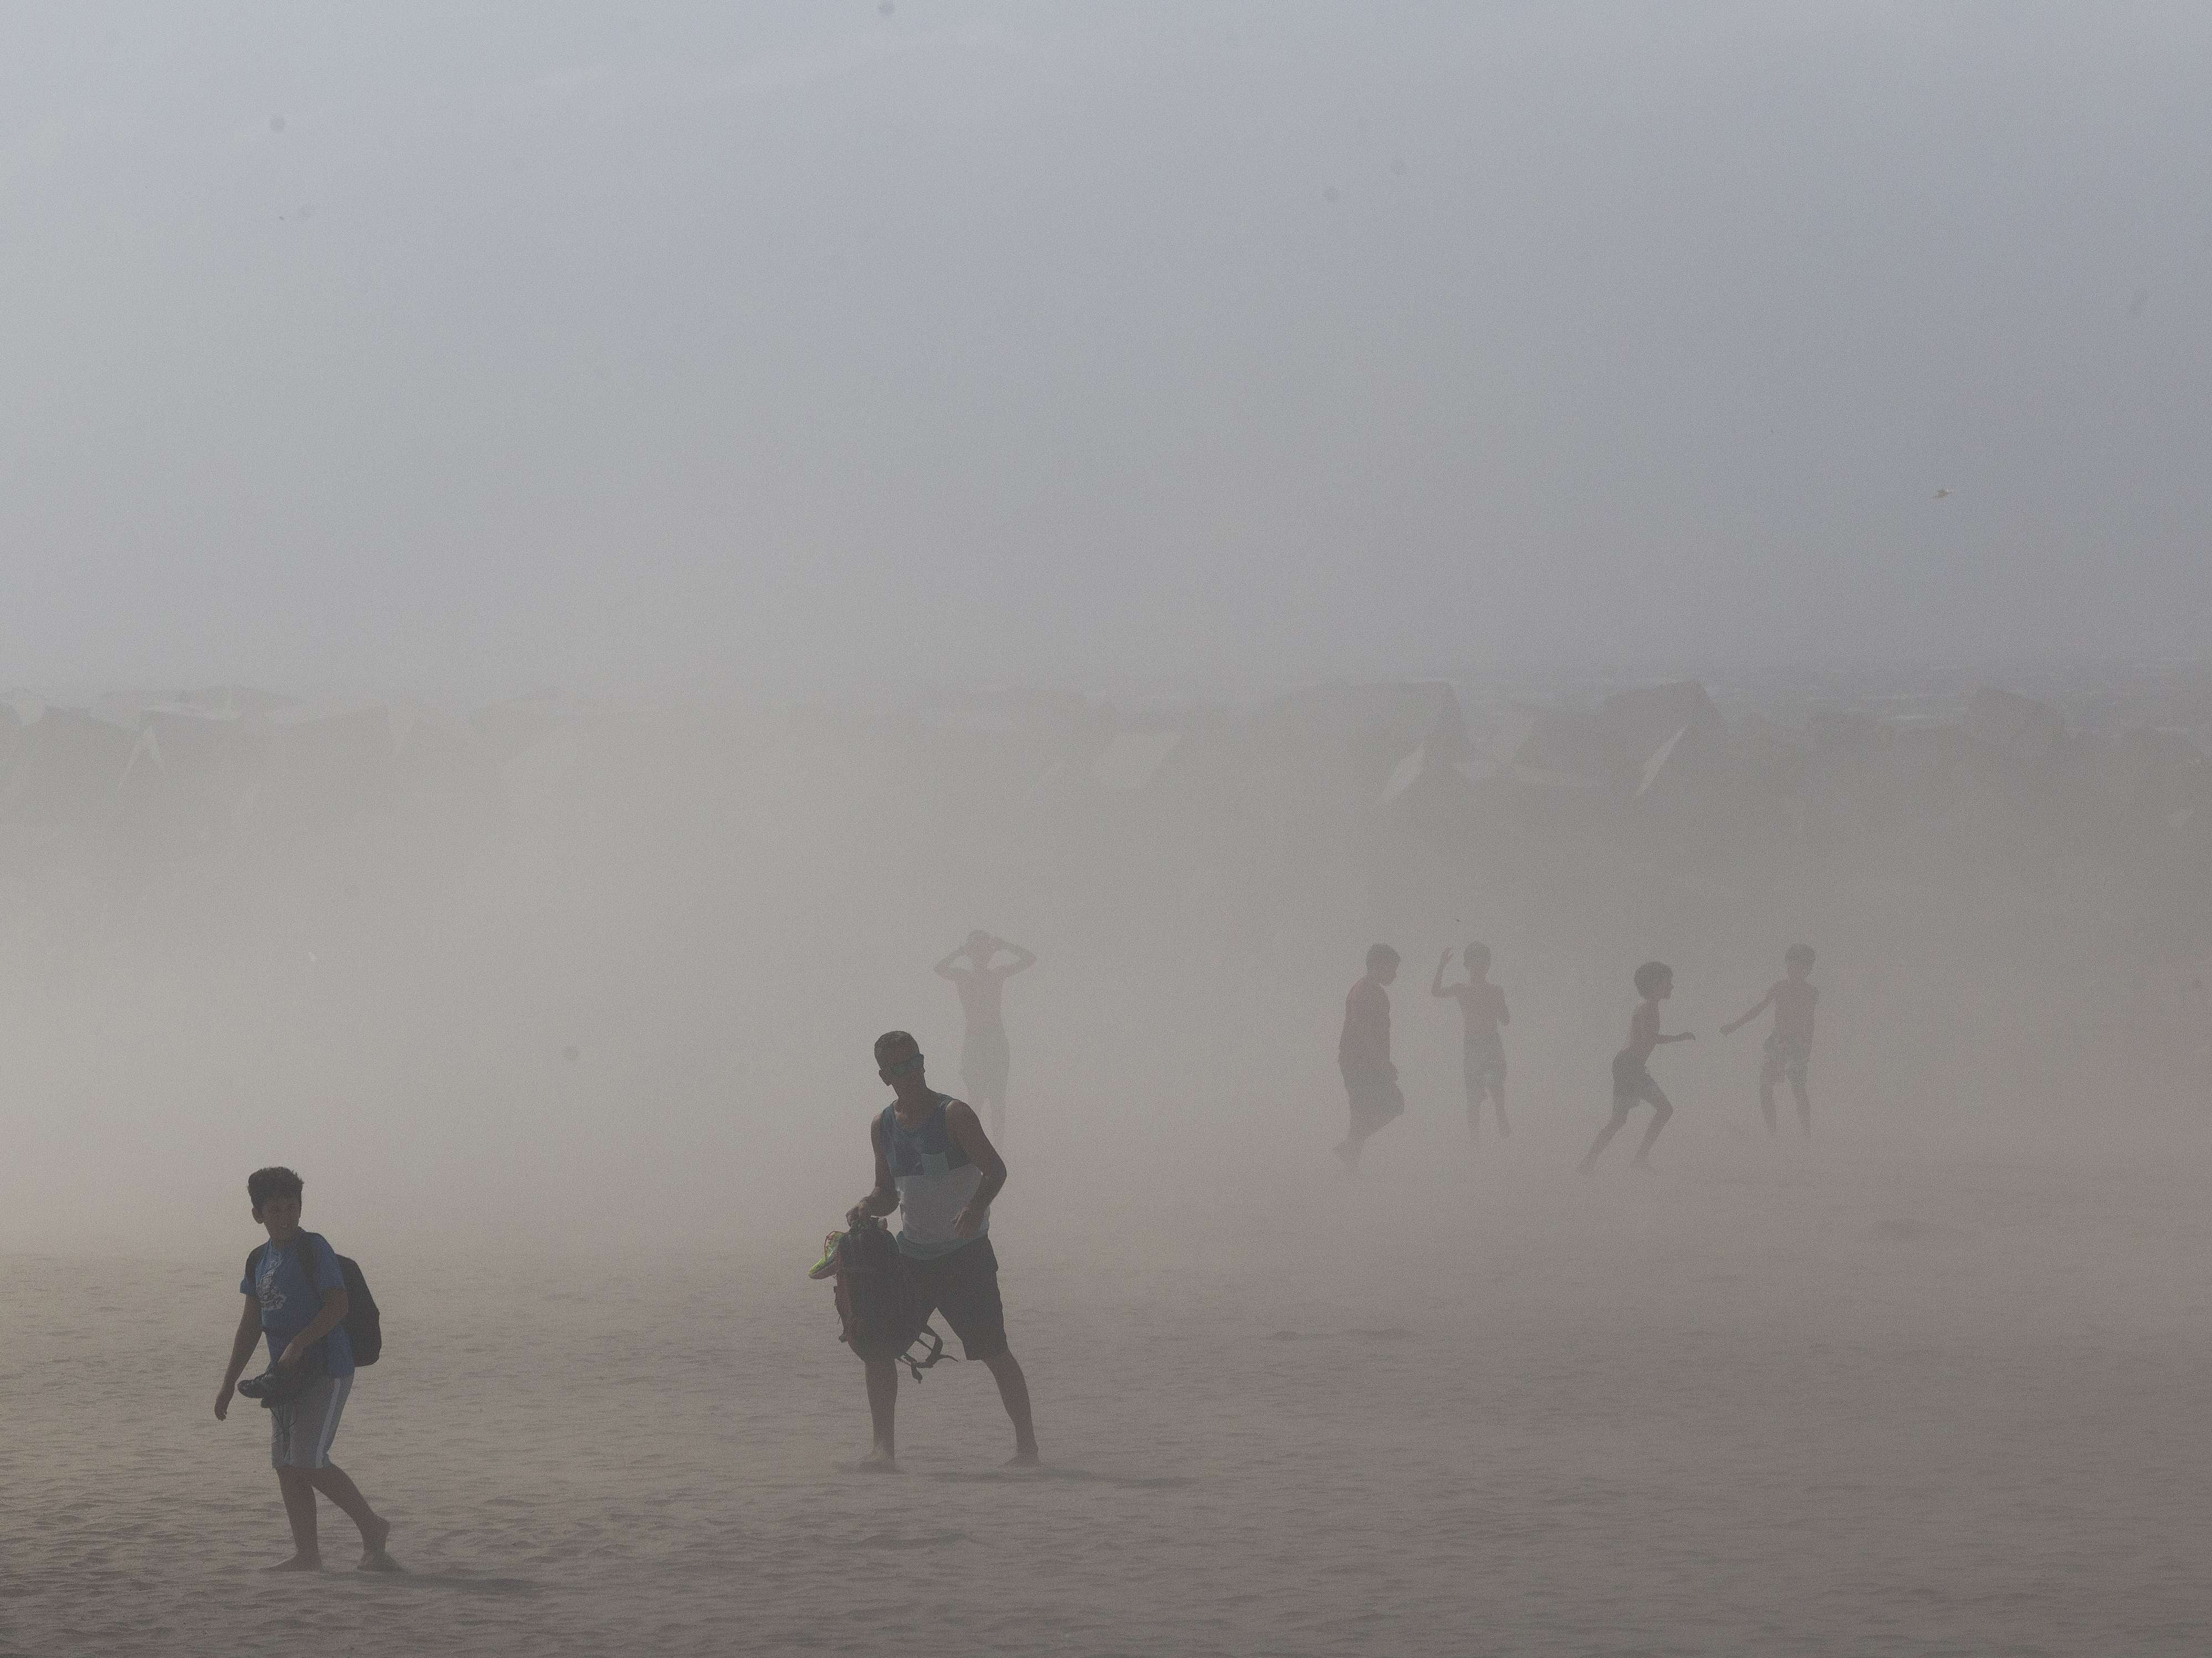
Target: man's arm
[885,1198]
[1734,1025]
[242,1351]
[967,1131]
[944,968]
[1437,982]
[1504,1014]
[1022,959]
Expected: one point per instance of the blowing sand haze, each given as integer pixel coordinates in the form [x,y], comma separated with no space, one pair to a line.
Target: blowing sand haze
[729,736]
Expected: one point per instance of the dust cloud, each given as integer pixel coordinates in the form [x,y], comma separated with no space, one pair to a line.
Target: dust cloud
[575,1004]
[554,572]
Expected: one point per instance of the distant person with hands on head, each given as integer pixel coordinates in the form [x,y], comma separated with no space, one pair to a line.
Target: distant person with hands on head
[1482,1049]
[1363,1055]
[936,1166]
[1789,1048]
[985,1057]
[295,1297]
[1632,1082]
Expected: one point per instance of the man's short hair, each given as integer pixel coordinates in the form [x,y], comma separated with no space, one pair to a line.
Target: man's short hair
[1478,953]
[1652,975]
[1380,956]
[1797,953]
[277,1182]
[896,1045]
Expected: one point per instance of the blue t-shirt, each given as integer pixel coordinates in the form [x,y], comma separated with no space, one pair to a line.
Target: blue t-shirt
[291,1295]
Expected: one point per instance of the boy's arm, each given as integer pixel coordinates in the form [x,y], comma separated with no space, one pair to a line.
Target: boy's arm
[1436,983]
[331,1315]
[1734,1025]
[1022,959]
[944,968]
[242,1351]
[1504,1014]
[966,1130]
[324,1275]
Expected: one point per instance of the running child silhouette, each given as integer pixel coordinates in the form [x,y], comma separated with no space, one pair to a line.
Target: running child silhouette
[1790,1045]
[1482,1049]
[1632,1083]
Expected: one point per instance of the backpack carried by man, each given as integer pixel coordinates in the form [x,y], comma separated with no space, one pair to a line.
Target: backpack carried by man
[875,1299]
[363,1323]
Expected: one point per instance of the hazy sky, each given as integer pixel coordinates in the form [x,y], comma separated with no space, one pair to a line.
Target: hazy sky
[475,347]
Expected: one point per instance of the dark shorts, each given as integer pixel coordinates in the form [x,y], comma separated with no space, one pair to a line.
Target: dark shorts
[1784,1057]
[1482,1063]
[1375,1099]
[1632,1082]
[964,1287]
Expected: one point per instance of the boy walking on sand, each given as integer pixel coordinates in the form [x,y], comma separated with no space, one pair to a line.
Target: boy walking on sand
[1632,1083]
[1362,1055]
[1482,1050]
[295,1296]
[1790,1045]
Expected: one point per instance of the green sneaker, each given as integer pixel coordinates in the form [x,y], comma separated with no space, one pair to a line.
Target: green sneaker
[827,1266]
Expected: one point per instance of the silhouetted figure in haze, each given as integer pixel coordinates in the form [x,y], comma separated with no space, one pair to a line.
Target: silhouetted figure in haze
[1632,1083]
[1482,1048]
[1789,1044]
[935,1164]
[1362,1055]
[295,1296]
[984,1056]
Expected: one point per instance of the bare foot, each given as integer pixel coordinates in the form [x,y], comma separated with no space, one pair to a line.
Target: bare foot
[1025,1459]
[298,1563]
[1644,1163]
[373,1537]
[1348,1154]
[880,1459]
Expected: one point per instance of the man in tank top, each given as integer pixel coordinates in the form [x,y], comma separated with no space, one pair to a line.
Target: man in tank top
[936,1166]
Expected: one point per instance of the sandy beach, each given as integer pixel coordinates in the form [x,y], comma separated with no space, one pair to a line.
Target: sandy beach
[1763,1400]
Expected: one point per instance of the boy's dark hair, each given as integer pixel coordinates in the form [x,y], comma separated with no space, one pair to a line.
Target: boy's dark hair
[1380,956]
[263,1184]
[1478,953]
[1652,975]
[1797,953]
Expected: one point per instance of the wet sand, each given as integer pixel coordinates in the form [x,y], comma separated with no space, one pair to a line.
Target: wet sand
[1760,1401]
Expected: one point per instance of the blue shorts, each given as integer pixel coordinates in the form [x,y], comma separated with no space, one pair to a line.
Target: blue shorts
[302,1428]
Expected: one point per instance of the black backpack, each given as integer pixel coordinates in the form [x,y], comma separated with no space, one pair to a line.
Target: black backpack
[364,1324]
[876,1302]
